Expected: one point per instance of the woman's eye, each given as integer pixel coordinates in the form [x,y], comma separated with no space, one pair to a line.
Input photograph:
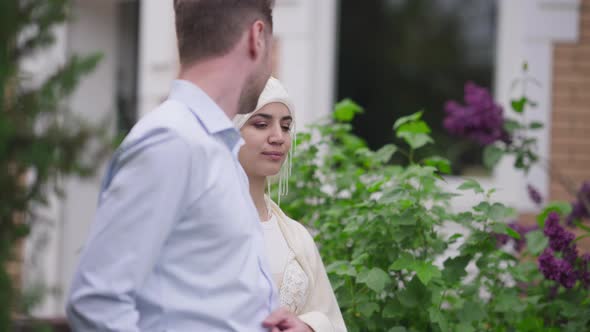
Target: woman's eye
[286,128]
[260,125]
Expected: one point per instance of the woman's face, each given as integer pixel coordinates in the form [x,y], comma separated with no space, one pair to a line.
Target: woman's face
[267,134]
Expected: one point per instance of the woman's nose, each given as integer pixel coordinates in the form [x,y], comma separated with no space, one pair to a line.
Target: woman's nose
[276,135]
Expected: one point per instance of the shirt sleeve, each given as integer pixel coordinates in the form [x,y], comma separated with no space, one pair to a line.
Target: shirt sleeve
[143,195]
[321,311]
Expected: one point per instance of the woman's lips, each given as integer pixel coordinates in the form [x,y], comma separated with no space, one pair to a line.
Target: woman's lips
[273,155]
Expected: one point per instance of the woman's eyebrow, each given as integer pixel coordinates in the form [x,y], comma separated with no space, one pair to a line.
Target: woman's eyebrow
[269,117]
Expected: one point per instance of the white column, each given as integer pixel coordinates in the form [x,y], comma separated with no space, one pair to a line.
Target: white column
[527,32]
[93,29]
[324,48]
[306,30]
[158,56]
[42,254]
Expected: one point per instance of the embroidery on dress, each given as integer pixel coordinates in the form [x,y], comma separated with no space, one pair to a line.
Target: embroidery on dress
[294,287]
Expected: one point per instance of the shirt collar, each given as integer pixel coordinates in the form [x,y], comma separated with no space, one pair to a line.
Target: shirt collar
[206,110]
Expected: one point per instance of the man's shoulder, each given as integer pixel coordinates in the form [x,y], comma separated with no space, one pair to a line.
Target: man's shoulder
[174,117]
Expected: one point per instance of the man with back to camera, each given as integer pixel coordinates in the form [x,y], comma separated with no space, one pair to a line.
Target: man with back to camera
[176,244]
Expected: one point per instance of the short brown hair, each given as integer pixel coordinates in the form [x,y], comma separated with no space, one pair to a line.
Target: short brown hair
[207,28]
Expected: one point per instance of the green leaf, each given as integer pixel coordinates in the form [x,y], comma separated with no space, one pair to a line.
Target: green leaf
[491,192]
[338,283]
[502,228]
[21,230]
[512,233]
[415,295]
[524,270]
[392,309]
[443,165]
[536,125]
[413,131]
[368,308]
[406,204]
[415,141]
[377,279]
[499,212]
[568,309]
[346,110]
[341,268]
[471,185]
[454,237]
[360,259]
[404,262]
[405,119]
[483,207]
[437,317]
[384,154]
[398,329]
[531,324]
[492,155]
[363,275]
[512,125]
[455,268]
[471,312]
[303,137]
[426,272]
[464,327]
[465,217]
[518,104]
[536,242]
[417,127]
[562,208]
[508,302]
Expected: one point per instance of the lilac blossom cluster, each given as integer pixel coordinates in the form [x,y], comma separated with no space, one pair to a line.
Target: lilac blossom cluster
[534,194]
[522,230]
[480,119]
[580,206]
[569,267]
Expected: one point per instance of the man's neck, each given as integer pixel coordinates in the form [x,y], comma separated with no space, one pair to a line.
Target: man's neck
[220,80]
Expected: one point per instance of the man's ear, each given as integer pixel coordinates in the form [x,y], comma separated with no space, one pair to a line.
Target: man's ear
[257,39]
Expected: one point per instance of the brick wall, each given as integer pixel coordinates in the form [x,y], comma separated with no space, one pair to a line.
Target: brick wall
[570,119]
[570,126]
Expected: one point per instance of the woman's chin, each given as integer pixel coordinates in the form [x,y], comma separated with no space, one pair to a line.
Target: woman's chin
[271,172]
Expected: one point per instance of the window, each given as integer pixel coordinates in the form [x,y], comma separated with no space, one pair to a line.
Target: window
[399,56]
[127,64]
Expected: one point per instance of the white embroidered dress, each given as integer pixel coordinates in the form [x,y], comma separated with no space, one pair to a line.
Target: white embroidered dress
[299,273]
[291,280]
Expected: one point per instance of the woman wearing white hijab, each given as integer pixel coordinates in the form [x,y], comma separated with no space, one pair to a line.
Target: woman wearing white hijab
[297,268]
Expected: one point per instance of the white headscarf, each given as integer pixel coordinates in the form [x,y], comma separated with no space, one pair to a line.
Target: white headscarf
[274,92]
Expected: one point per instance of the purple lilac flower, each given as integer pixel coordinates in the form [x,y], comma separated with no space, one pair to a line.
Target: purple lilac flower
[557,269]
[480,119]
[547,264]
[559,237]
[579,209]
[584,273]
[534,194]
[501,239]
[570,254]
[568,269]
[568,276]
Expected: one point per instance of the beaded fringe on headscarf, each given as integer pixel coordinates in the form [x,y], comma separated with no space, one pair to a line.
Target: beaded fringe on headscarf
[285,172]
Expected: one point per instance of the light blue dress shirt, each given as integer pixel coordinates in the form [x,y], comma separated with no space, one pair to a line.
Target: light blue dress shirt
[177,243]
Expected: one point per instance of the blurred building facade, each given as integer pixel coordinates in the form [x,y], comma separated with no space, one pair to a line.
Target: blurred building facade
[137,40]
